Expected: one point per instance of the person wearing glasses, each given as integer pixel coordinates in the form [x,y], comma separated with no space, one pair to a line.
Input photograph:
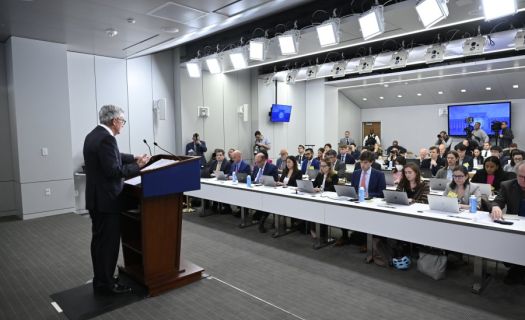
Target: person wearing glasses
[326,178]
[291,173]
[461,188]
[106,169]
[512,195]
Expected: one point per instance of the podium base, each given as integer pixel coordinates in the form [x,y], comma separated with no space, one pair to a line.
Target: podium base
[188,273]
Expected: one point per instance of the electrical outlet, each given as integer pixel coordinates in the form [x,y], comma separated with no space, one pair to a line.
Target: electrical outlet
[47,191]
[76,193]
[45,152]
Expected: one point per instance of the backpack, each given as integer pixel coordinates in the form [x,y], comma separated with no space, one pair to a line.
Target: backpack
[370,141]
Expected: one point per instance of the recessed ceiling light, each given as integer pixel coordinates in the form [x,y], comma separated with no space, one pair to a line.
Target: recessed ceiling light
[170,29]
[364,99]
[386,85]
[131,20]
[400,96]
[419,94]
[381,97]
[440,92]
[463,90]
[488,88]
[515,86]
[111,32]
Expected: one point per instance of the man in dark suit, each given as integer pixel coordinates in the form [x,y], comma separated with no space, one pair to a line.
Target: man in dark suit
[220,164]
[300,156]
[512,195]
[197,147]
[262,168]
[464,159]
[344,156]
[105,169]
[309,161]
[239,165]
[337,165]
[373,181]
[506,135]
[434,163]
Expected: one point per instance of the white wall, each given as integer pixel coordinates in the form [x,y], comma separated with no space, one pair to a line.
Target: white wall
[7,189]
[349,119]
[223,94]
[417,126]
[39,118]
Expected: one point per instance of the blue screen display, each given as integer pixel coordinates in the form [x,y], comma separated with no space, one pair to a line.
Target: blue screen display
[280,113]
[484,113]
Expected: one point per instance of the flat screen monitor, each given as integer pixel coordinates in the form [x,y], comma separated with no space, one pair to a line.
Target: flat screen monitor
[461,118]
[280,113]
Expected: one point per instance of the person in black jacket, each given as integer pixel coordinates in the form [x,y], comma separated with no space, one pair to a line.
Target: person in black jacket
[291,173]
[434,163]
[506,136]
[219,164]
[106,168]
[492,173]
[326,178]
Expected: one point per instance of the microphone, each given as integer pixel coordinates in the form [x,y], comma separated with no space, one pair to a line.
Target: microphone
[157,145]
[148,146]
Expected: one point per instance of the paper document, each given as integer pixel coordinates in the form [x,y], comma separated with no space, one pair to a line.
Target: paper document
[159,164]
[134,181]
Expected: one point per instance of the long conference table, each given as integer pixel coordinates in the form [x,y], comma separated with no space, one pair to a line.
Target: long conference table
[472,234]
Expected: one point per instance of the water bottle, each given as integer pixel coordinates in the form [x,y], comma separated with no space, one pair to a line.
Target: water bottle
[361,194]
[249,181]
[234,178]
[473,202]
[390,164]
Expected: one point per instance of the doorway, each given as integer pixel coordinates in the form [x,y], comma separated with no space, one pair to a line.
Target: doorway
[371,126]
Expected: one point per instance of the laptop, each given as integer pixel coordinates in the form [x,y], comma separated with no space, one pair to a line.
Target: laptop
[484,188]
[389,178]
[397,197]
[438,184]
[241,177]
[312,173]
[268,181]
[426,173]
[345,192]
[305,186]
[443,204]
[220,175]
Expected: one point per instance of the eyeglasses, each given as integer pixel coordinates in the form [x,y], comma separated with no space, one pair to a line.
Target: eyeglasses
[122,120]
[459,177]
[521,177]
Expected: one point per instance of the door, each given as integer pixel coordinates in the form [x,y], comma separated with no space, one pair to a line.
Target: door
[371,126]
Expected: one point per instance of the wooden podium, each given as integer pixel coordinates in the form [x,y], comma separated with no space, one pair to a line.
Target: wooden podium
[151,225]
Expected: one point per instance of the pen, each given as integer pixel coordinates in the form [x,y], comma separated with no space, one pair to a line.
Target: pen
[452,216]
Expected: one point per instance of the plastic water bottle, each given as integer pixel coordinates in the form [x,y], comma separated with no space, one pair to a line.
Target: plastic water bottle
[234,178]
[249,181]
[473,202]
[390,164]
[361,194]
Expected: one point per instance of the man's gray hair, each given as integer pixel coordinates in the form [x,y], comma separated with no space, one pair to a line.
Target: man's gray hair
[518,165]
[109,112]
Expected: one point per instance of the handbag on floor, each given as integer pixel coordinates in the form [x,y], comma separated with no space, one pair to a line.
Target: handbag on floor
[433,263]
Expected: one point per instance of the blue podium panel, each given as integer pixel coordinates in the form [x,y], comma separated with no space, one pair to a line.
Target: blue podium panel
[177,178]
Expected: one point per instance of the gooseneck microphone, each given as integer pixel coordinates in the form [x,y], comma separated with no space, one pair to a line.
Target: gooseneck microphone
[148,146]
[161,148]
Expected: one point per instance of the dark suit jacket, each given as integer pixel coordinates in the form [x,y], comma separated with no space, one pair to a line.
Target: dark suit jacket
[293,178]
[328,185]
[467,159]
[105,169]
[198,149]
[348,158]
[241,167]
[280,162]
[269,170]
[481,177]
[315,164]
[434,169]
[376,184]
[225,166]
[340,168]
[375,165]
[506,140]
[509,195]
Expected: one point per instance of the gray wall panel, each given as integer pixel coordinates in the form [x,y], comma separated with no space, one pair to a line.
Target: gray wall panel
[6,165]
[35,200]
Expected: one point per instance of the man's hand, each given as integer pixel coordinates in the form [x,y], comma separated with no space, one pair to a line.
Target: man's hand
[496,213]
[142,160]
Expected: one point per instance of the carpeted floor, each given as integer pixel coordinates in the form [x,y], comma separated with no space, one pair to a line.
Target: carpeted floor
[252,276]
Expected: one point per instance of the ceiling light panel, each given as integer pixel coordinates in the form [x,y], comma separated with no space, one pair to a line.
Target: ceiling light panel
[194,68]
[258,48]
[431,11]
[372,23]
[214,65]
[328,33]
[238,60]
[289,42]
[493,9]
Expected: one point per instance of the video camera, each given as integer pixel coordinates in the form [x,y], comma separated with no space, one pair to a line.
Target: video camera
[495,126]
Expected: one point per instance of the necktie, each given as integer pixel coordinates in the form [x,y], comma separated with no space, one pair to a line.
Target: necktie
[347,141]
[343,158]
[363,181]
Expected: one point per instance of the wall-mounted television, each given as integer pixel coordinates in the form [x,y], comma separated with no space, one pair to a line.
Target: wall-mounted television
[461,118]
[280,113]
